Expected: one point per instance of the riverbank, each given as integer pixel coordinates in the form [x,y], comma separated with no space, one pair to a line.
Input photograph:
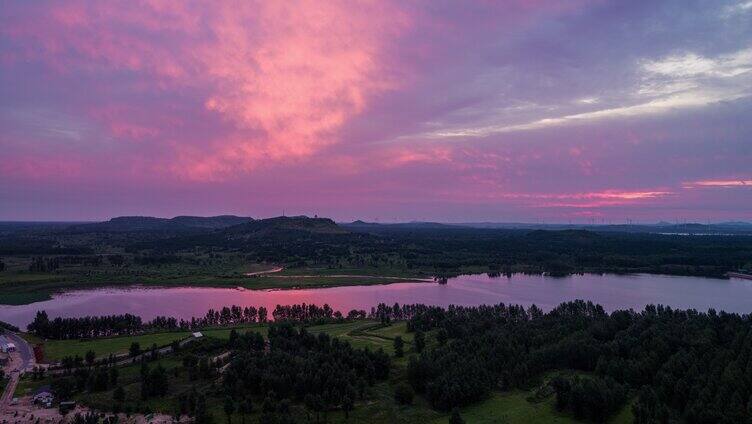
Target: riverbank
[739,275]
[23,287]
[29,291]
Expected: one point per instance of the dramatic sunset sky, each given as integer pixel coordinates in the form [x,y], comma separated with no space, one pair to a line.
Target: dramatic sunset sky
[517,110]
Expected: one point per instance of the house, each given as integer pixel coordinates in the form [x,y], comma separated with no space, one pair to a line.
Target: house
[197,335]
[6,346]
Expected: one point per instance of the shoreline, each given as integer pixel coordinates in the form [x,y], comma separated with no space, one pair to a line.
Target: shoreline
[46,295]
[263,281]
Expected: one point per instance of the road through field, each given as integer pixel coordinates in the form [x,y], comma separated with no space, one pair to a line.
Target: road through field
[20,360]
[278,269]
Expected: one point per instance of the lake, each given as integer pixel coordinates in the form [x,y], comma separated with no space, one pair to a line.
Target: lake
[611,291]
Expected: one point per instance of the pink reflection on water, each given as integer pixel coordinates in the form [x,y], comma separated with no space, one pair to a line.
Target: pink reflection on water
[611,291]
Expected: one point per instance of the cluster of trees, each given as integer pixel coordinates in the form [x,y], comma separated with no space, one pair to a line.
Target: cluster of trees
[154,382]
[6,326]
[95,326]
[85,379]
[322,372]
[194,404]
[198,367]
[386,313]
[44,264]
[686,365]
[594,398]
[313,314]
[52,263]
[158,259]
[231,315]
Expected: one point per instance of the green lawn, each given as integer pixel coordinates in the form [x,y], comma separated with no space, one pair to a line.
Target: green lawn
[511,407]
[27,386]
[224,333]
[55,350]
[362,334]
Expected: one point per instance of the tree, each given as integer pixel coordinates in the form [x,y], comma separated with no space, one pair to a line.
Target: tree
[403,394]
[455,418]
[2,266]
[135,349]
[419,341]
[200,413]
[233,340]
[399,347]
[90,357]
[347,406]
[119,394]
[442,336]
[245,408]
[314,403]
[113,376]
[229,409]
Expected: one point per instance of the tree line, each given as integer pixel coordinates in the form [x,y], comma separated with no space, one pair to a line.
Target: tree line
[61,328]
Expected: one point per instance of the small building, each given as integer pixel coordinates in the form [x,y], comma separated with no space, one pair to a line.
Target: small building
[6,346]
[43,396]
[197,335]
[67,406]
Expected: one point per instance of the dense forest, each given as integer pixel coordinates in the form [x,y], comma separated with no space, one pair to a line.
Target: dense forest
[665,365]
[301,242]
[682,366]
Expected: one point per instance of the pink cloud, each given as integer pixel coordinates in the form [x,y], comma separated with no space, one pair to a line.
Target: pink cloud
[286,75]
[719,183]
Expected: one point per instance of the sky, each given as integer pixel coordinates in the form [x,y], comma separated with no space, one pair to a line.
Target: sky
[509,111]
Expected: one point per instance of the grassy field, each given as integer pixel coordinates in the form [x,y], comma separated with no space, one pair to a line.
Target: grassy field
[55,350]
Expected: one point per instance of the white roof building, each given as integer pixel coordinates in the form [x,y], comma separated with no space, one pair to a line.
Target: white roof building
[6,345]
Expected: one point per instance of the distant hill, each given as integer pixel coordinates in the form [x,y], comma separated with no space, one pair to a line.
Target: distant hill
[373,226]
[149,223]
[220,221]
[738,228]
[274,234]
[286,224]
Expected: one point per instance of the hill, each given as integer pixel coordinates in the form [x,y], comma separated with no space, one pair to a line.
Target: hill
[149,223]
[287,224]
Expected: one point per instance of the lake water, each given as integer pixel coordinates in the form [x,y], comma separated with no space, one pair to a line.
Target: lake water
[611,291]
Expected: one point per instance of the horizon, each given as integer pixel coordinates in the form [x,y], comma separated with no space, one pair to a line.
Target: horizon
[586,112]
[594,223]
